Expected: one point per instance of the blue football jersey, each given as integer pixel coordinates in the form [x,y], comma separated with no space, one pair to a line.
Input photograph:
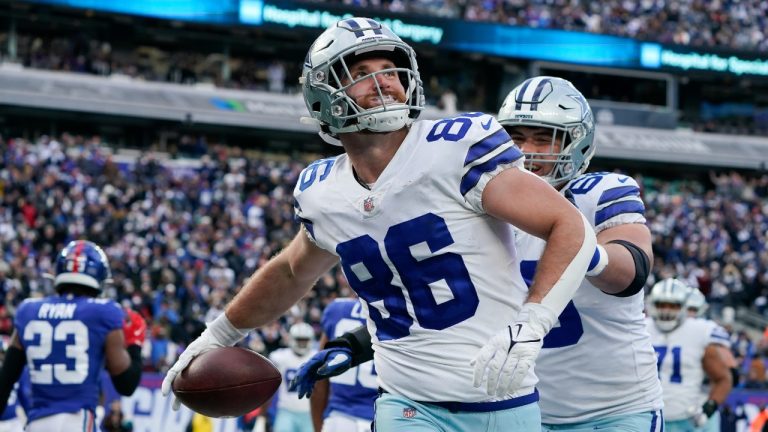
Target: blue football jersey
[354,391]
[64,339]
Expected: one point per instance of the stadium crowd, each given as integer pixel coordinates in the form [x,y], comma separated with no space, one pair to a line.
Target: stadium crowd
[723,23]
[182,237]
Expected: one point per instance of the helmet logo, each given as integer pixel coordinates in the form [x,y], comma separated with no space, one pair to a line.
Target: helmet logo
[362,27]
[533,92]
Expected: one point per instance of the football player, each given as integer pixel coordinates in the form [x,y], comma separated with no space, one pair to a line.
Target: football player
[65,340]
[293,413]
[420,215]
[697,306]
[688,350]
[551,121]
[344,403]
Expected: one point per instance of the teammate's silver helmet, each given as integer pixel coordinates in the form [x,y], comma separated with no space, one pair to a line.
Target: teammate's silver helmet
[327,64]
[669,291]
[302,336]
[696,303]
[554,103]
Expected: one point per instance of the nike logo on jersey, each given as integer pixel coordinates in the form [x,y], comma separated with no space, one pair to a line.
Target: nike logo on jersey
[487,125]
[623,179]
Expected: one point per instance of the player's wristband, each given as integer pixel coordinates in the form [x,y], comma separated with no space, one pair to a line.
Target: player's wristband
[709,408]
[224,332]
[598,263]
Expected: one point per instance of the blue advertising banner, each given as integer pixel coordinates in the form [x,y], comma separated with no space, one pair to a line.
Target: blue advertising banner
[477,37]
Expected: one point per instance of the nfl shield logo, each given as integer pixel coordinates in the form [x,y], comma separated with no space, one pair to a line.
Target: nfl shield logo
[409,412]
[368,204]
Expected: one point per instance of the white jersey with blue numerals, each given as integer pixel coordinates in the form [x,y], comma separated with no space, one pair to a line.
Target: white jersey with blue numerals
[437,275]
[598,361]
[354,391]
[288,363]
[680,354]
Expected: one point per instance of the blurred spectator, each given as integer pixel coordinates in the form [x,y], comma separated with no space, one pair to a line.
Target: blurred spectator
[756,373]
[115,421]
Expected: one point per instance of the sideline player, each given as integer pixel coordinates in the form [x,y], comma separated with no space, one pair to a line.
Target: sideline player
[293,413]
[688,350]
[65,340]
[344,403]
[420,215]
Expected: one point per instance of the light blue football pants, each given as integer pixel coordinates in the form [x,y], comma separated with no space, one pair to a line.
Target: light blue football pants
[651,421]
[399,414]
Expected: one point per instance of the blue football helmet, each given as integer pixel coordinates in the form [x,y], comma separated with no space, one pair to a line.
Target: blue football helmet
[553,103]
[326,78]
[82,263]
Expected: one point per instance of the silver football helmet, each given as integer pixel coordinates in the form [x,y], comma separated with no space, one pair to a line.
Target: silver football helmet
[668,292]
[553,103]
[302,337]
[326,79]
[696,304]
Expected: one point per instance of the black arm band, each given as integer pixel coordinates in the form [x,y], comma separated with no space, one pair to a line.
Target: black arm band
[358,341]
[14,362]
[642,268]
[127,381]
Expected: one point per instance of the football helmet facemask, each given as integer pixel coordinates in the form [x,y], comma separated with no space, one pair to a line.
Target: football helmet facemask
[667,303]
[326,79]
[553,103]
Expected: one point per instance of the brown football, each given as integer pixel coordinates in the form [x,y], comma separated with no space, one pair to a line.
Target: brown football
[227,382]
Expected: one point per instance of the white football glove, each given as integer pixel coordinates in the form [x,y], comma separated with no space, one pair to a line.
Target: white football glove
[509,355]
[697,416]
[219,333]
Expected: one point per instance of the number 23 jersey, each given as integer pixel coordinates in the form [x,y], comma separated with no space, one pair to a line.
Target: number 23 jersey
[436,275]
[598,361]
[64,339]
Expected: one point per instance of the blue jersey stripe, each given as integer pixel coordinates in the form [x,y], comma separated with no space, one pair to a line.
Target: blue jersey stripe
[618,192]
[470,179]
[618,208]
[486,145]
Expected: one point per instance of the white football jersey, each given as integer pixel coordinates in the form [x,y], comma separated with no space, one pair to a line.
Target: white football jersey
[598,361]
[436,275]
[680,354]
[288,363]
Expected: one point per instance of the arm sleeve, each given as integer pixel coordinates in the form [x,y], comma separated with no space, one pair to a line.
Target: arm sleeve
[13,365]
[127,381]
[358,341]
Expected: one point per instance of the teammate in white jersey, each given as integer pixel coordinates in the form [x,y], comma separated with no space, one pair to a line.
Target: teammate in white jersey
[420,215]
[688,349]
[552,123]
[697,307]
[293,413]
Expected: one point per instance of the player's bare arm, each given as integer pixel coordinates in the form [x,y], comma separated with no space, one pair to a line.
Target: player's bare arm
[117,359]
[531,204]
[318,401]
[282,282]
[621,269]
[716,367]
